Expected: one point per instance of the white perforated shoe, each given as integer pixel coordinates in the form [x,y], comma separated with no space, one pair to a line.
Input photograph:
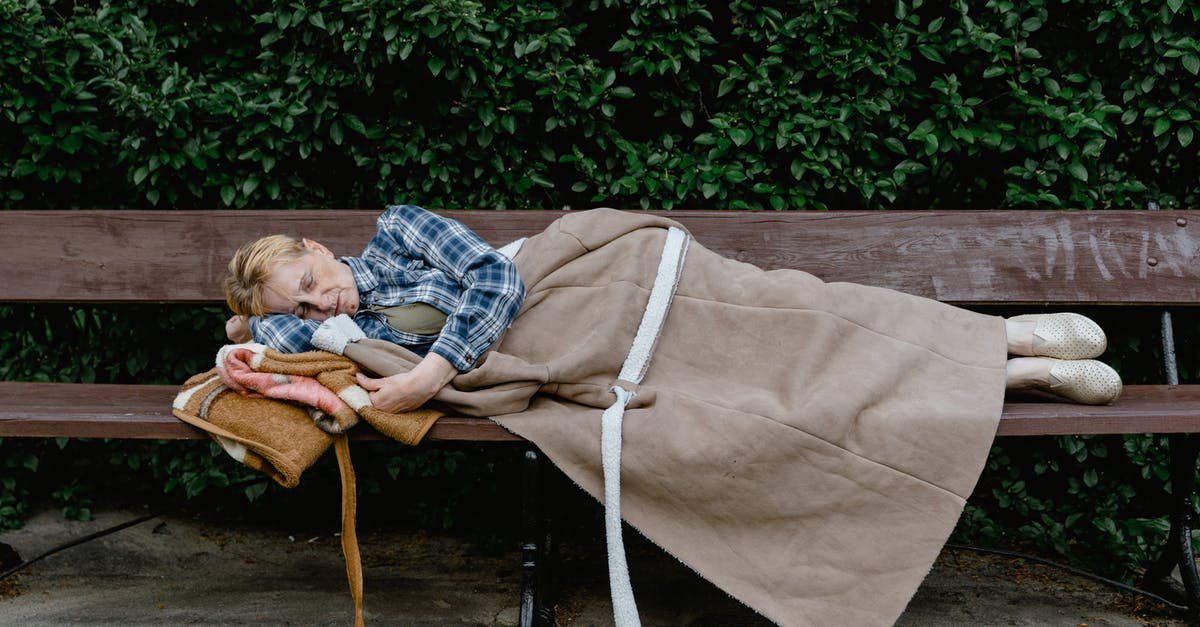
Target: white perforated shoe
[1084,381]
[1065,336]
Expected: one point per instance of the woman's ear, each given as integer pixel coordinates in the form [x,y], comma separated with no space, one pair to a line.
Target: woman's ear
[316,247]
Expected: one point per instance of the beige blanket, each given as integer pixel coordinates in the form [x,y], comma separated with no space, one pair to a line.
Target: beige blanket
[805,446]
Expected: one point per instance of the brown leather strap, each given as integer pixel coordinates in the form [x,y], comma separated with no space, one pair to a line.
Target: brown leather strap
[341,446]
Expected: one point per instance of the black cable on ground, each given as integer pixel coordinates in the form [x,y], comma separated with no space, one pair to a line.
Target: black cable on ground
[76,542]
[1071,569]
[110,530]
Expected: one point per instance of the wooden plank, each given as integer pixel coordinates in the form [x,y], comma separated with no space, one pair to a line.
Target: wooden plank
[144,411]
[966,257]
[80,410]
[1141,409]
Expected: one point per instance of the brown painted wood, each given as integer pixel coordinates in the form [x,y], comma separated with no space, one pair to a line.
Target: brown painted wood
[966,257]
[979,257]
[1141,409]
[79,410]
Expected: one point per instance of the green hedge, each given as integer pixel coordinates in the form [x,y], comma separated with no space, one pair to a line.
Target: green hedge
[672,103]
[653,104]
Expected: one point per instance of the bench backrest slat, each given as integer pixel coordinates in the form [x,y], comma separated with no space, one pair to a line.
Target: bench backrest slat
[970,257]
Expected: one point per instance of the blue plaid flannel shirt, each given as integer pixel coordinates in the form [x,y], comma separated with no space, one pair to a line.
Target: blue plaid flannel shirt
[420,257]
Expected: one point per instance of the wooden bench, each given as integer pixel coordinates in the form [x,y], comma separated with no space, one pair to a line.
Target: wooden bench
[1038,259]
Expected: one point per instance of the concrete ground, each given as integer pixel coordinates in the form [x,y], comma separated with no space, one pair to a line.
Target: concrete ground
[187,570]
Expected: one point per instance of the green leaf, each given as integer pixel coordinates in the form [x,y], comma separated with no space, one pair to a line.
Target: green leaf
[908,166]
[355,123]
[1191,63]
[1161,126]
[255,490]
[1093,147]
[931,53]
[725,87]
[1078,171]
[435,65]
[1185,134]
[622,45]
[740,136]
[931,144]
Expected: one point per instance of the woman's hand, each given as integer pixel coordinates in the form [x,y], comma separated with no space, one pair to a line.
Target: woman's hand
[409,390]
[238,330]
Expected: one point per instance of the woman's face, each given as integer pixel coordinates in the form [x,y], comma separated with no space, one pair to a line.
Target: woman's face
[315,286]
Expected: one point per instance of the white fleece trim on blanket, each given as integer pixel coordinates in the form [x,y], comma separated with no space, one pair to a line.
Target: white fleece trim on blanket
[625,612]
[236,449]
[256,348]
[182,398]
[355,396]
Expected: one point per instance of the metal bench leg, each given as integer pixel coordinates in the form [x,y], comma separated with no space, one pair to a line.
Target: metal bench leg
[1185,449]
[1178,552]
[536,542]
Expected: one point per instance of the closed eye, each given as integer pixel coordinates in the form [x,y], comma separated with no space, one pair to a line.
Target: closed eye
[306,285]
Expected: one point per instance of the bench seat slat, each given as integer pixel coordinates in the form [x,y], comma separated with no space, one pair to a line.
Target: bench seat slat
[1141,409]
[144,411]
[79,410]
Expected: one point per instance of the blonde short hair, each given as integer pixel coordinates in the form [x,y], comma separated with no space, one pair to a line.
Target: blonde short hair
[250,268]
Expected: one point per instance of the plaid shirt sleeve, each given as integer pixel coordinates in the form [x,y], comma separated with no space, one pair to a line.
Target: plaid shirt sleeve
[289,334]
[283,332]
[491,290]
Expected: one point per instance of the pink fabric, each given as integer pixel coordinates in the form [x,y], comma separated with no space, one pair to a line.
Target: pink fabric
[238,373]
